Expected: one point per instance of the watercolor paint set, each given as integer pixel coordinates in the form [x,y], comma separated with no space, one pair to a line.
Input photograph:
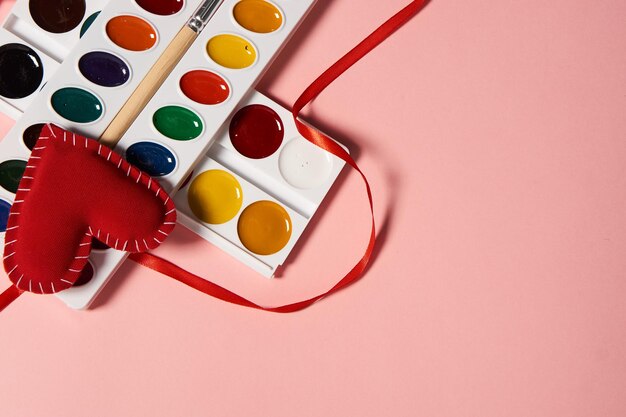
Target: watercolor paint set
[35,38]
[258,187]
[253,183]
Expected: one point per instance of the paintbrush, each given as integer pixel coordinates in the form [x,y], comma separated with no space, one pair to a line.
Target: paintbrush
[159,73]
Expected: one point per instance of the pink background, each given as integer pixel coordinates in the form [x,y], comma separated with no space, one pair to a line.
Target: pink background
[494,135]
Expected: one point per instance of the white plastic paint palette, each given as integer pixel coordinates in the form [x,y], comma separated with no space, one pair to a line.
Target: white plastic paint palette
[34,39]
[182,119]
[258,187]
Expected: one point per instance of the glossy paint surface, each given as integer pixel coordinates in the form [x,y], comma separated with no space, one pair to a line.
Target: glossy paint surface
[11,172]
[178,123]
[31,134]
[5,208]
[304,165]
[215,196]
[264,227]
[161,7]
[57,16]
[131,33]
[87,24]
[258,16]
[231,51]
[21,71]
[154,159]
[204,87]
[256,131]
[76,105]
[104,69]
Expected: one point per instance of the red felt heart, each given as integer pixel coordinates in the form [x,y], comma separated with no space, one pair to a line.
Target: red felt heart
[74,189]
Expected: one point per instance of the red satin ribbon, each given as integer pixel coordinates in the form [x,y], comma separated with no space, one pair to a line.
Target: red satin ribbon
[316,137]
[8,296]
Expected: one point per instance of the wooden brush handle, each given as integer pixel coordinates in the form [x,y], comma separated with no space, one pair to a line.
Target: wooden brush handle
[148,86]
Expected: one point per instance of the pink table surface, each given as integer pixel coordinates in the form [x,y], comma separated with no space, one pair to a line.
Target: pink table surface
[494,135]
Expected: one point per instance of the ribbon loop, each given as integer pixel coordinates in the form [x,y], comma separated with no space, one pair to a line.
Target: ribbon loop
[318,138]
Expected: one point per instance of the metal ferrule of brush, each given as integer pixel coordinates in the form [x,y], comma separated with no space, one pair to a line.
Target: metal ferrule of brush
[203,14]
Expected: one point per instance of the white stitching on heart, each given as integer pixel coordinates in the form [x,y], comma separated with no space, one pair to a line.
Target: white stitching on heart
[84,247]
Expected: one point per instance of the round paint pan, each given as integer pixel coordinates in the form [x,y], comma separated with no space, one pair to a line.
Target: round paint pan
[57,16]
[5,209]
[304,165]
[161,7]
[258,16]
[131,33]
[264,227]
[104,69]
[215,196]
[153,158]
[77,105]
[21,71]
[231,51]
[11,172]
[86,275]
[204,87]
[256,131]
